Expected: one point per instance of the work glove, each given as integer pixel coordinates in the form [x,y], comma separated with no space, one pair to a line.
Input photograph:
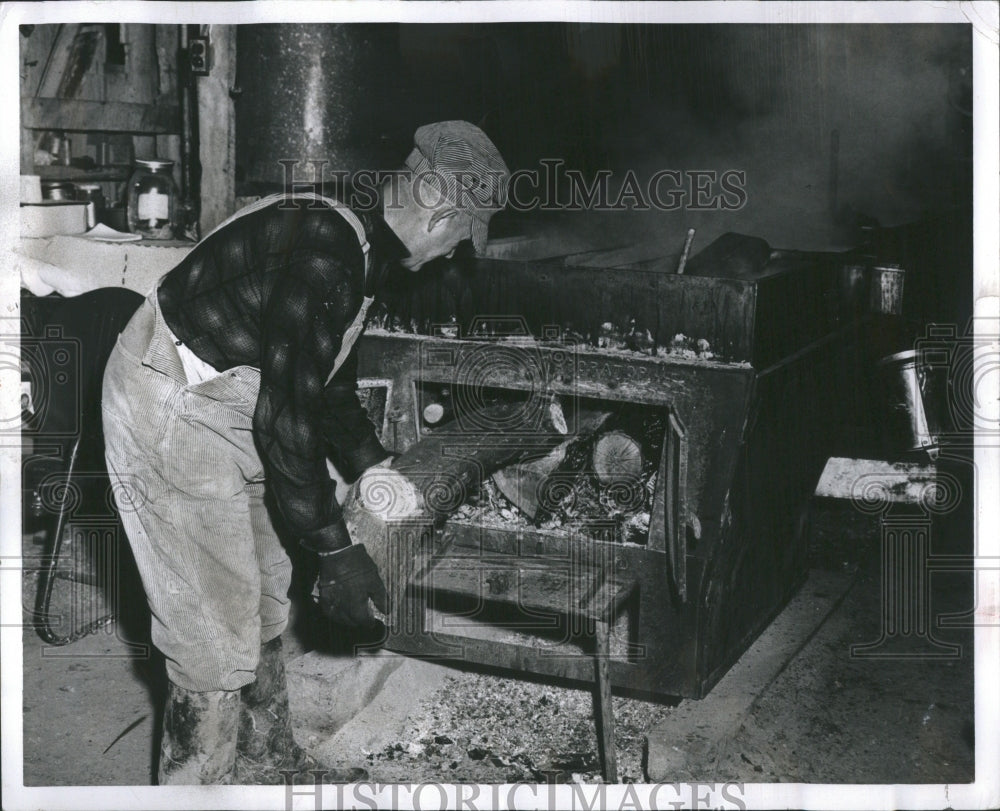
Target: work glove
[348,579]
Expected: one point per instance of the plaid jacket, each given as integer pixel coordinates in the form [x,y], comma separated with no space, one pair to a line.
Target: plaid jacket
[276,289]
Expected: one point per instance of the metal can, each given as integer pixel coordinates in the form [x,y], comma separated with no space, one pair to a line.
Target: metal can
[93,195]
[58,190]
[886,290]
[916,404]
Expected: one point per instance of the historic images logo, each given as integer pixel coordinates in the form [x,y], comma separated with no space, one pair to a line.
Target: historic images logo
[552,186]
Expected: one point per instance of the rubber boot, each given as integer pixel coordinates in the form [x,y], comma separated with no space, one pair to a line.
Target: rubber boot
[266,750]
[199,737]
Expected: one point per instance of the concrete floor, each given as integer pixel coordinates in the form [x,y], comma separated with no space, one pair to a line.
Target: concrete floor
[817,714]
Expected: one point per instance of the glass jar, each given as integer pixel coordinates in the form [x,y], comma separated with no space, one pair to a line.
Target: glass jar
[152,199]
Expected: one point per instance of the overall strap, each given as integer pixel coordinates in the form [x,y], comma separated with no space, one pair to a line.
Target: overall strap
[270,199]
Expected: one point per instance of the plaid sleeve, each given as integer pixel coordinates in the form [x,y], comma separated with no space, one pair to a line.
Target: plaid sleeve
[306,314]
[353,441]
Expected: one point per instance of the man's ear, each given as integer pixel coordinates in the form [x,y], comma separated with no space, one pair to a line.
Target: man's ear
[442,215]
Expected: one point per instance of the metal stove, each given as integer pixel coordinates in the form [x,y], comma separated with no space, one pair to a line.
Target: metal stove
[750,361]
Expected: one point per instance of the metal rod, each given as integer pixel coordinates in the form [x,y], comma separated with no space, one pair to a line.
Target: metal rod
[834,170]
[686,251]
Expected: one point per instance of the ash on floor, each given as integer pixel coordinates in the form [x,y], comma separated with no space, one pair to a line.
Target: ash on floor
[489,729]
[91,708]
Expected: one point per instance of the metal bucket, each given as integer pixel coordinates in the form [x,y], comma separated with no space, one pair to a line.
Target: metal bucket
[916,404]
[886,289]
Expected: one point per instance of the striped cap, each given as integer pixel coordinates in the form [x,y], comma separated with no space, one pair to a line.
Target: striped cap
[461,163]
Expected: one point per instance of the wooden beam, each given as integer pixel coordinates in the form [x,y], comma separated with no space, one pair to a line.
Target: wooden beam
[104,116]
[217,130]
[165,39]
[54,58]
[604,711]
[137,81]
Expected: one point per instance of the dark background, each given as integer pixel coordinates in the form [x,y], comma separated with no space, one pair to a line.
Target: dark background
[833,124]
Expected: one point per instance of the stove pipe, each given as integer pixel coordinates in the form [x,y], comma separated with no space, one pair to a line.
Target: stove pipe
[314,92]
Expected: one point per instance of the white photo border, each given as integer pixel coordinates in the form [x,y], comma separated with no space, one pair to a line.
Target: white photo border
[983,19]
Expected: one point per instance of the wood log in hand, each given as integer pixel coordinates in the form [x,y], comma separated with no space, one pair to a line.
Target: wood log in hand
[436,476]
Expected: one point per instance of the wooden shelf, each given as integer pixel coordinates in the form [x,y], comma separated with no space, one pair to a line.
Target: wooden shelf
[100,116]
[74,173]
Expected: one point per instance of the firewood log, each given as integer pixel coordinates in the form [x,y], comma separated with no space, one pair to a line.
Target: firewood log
[617,457]
[440,473]
[437,475]
[524,483]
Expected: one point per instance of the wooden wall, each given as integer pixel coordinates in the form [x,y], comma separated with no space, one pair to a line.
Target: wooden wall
[94,83]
